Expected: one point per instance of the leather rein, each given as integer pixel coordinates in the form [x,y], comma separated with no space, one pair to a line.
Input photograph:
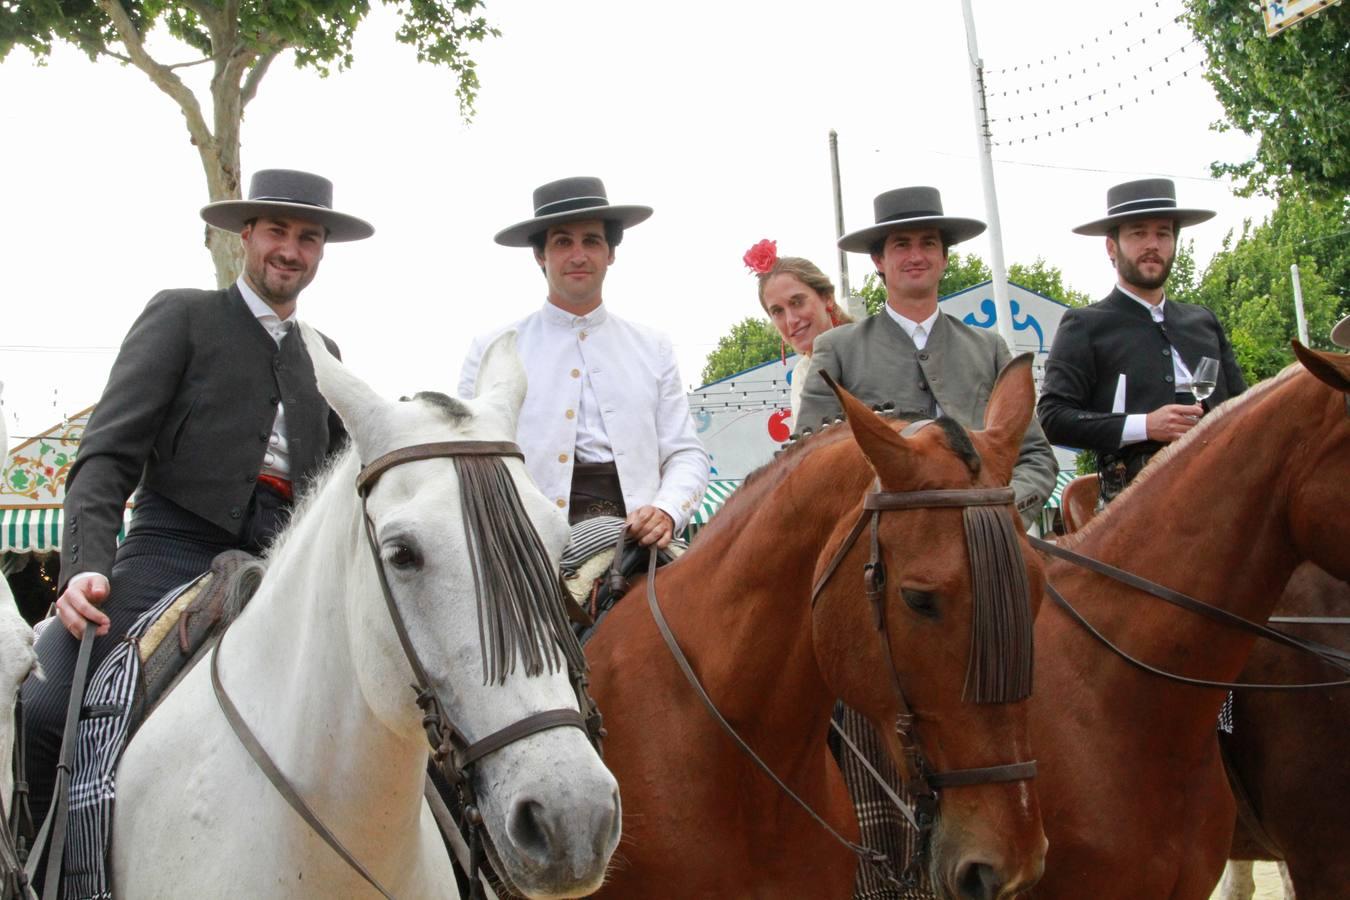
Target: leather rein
[453,753]
[923,783]
[1337,659]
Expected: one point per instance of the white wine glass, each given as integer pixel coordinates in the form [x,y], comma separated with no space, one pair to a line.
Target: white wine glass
[1204,377]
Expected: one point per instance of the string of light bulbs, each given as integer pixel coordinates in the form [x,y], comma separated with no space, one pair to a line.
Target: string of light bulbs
[1071,51]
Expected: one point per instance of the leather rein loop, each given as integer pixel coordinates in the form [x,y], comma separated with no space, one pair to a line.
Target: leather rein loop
[1337,659]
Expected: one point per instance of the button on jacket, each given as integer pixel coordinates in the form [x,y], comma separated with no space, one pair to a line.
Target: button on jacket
[188,412]
[635,385]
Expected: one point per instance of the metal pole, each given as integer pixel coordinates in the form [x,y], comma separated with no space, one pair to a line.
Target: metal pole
[1298,306]
[1002,306]
[853,305]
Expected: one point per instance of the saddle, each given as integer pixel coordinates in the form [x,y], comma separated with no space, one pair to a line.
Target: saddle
[597,565]
[160,649]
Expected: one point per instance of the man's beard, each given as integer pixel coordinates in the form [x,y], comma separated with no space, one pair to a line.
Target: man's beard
[1132,274]
[273,290]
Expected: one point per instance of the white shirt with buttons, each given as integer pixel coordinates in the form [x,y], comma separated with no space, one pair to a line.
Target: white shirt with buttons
[602,388]
[277,459]
[1136,424]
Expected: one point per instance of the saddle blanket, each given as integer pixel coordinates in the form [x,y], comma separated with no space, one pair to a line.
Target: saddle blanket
[590,555]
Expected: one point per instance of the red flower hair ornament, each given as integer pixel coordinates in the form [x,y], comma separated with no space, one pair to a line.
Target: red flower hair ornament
[761,257]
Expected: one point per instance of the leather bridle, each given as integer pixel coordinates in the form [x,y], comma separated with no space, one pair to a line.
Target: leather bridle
[924,783]
[451,750]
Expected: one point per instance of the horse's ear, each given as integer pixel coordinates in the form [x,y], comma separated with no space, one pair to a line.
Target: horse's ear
[501,378]
[1329,368]
[351,398]
[886,452]
[1011,406]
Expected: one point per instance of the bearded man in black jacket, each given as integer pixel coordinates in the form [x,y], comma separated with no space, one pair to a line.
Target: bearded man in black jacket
[1118,379]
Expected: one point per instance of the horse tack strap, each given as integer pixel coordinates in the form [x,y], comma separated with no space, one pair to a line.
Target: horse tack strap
[683,662]
[1335,658]
[985,775]
[938,499]
[279,780]
[436,450]
[553,718]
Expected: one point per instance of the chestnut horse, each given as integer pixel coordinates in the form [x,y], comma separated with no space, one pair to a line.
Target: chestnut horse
[700,819]
[1131,785]
[1288,750]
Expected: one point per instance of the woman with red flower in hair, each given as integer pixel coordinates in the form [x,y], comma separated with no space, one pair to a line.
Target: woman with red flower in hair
[799,299]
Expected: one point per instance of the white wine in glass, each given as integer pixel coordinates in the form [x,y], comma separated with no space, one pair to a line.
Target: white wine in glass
[1203,378]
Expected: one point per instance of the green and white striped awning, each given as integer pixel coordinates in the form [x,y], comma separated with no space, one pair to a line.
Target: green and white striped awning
[36,529]
[713,498]
[1061,482]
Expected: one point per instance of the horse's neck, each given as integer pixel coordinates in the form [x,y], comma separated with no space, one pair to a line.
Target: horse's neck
[290,665]
[1193,528]
[742,611]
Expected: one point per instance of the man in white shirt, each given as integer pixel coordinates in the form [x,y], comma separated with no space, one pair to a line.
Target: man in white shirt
[1118,378]
[605,427]
[911,355]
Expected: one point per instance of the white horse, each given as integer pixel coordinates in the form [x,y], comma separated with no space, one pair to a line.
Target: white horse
[317,672]
[17,659]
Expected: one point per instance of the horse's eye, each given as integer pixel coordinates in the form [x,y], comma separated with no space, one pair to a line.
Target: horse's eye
[922,602]
[401,556]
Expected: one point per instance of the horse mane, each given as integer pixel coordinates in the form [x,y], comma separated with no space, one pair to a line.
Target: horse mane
[747,498]
[1200,433]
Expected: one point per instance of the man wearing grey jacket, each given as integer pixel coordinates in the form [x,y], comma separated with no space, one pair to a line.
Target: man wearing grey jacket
[911,354]
[211,413]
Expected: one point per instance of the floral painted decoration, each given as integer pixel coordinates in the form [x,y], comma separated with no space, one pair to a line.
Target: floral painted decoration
[761,257]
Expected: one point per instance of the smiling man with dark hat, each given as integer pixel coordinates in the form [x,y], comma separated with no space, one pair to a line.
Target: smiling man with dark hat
[1118,379]
[911,354]
[605,426]
[212,416]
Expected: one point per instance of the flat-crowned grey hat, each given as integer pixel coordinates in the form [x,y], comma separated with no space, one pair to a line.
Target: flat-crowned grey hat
[910,207]
[570,200]
[1340,334]
[1148,198]
[292,194]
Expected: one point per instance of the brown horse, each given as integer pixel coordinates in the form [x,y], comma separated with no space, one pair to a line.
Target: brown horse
[1288,750]
[700,820]
[1131,785]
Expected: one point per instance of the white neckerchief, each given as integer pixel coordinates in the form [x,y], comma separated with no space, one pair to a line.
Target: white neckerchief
[593,444]
[277,459]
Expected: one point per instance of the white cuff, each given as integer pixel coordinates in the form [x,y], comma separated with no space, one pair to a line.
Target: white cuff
[1135,430]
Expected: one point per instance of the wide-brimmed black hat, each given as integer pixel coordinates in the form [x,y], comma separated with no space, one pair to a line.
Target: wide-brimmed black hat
[910,207]
[1340,333]
[1148,198]
[291,194]
[570,200]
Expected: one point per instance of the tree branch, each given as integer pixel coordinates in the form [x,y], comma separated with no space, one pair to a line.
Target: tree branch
[161,75]
[255,76]
[187,65]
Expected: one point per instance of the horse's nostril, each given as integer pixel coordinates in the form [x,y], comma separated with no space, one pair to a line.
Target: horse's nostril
[977,881]
[529,829]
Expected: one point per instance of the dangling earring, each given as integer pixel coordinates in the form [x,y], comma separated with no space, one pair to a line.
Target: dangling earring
[833,310]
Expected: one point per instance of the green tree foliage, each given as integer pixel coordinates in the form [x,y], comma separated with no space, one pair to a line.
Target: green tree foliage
[239,41]
[1047,280]
[753,340]
[1289,91]
[1248,284]
[969,270]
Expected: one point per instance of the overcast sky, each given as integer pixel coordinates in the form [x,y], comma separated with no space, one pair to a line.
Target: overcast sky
[715,114]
